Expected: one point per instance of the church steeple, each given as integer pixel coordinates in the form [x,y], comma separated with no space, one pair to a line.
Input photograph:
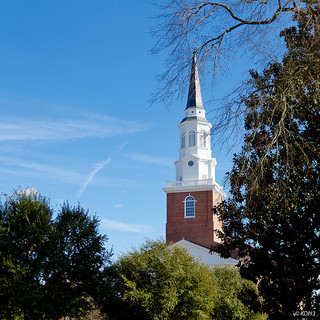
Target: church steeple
[194,96]
[195,162]
[192,196]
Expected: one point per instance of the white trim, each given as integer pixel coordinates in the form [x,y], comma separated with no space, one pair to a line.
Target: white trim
[200,120]
[193,188]
[195,159]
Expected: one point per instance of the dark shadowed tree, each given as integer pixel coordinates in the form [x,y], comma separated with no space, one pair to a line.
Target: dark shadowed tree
[272,216]
[49,267]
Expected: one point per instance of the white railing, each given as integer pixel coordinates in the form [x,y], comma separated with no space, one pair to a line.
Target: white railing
[190,183]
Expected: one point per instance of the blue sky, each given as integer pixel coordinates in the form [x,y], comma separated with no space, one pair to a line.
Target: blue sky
[75,80]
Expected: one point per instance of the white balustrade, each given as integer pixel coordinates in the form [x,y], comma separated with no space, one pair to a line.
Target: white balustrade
[172,184]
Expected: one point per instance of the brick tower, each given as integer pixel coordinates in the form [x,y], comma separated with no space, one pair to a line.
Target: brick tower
[192,196]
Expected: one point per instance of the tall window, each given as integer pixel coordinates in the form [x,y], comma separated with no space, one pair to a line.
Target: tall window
[203,140]
[192,139]
[183,140]
[189,207]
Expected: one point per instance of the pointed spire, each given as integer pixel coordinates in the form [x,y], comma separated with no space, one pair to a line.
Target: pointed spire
[194,96]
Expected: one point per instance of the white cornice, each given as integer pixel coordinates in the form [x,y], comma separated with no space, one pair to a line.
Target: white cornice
[214,187]
[200,121]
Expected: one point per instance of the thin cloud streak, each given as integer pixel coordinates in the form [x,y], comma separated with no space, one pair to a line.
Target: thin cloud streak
[126,227]
[33,168]
[98,167]
[23,168]
[141,157]
[12,129]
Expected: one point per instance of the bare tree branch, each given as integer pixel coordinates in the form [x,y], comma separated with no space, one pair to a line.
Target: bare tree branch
[208,27]
[217,30]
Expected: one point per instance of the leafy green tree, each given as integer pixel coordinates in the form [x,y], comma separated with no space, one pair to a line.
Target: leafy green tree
[48,267]
[163,282]
[25,225]
[272,216]
[238,298]
[75,267]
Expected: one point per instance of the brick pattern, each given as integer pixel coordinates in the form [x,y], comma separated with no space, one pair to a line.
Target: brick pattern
[199,229]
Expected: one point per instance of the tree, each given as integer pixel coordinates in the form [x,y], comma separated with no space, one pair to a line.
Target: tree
[75,268]
[49,267]
[238,298]
[272,216]
[161,281]
[24,227]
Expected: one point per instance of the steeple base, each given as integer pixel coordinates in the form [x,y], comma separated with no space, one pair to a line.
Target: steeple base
[199,228]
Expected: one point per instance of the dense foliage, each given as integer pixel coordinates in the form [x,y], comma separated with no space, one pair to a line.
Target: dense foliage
[161,282]
[272,216]
[48,267]
[238,298]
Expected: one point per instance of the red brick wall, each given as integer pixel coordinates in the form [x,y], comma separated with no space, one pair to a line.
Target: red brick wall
[198,229]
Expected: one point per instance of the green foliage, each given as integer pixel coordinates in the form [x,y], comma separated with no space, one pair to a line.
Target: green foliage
[48,268]
[273,216]
[25,227]
[75,267]
[165,282]
[238,298]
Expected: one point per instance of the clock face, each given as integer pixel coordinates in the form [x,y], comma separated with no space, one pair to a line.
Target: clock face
[190,163]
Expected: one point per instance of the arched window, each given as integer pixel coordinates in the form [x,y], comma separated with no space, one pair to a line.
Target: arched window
[183,140]
[192,139]
[189,207]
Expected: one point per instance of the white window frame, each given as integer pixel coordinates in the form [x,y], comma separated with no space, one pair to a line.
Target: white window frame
[185,201]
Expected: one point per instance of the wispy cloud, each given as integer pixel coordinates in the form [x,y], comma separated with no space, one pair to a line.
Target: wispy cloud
[126,227]
[141,157]
[61,121]
[49,172]
[39,169]
[45,129]
[118,205]
[97,168]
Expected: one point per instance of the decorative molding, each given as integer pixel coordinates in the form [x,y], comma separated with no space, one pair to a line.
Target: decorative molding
[215,187]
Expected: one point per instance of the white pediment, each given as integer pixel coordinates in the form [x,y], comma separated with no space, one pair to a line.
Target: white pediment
[202,253]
